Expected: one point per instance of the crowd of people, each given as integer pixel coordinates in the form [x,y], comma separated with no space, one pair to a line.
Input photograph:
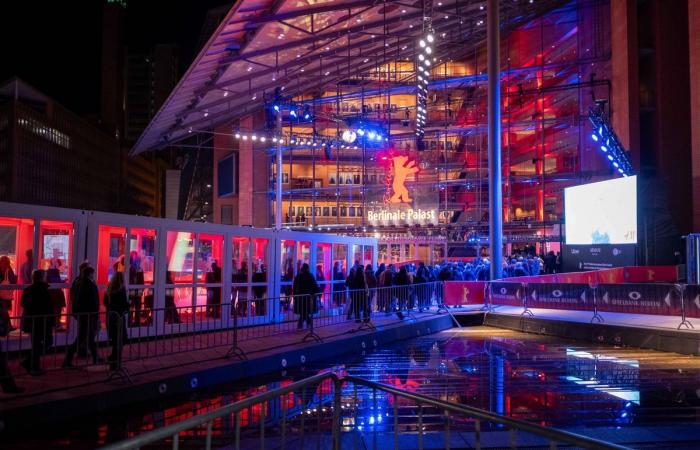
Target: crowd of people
[39,320]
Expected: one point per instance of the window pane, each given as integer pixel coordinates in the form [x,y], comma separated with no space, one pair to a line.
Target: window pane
[110,253]
[357,254]
[209,272]
[16,260]
[323,264]
[259,278]
[303,254]
[239,262]
[368,254]
[180,256]
[143,255]
[56,246]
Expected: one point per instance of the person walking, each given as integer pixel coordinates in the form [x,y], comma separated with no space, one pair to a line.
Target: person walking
[117,306]
[37,321]
[358,293]
[422,293]
[86,312]
[305,290]
[386,294]
[371,281]
[403,291]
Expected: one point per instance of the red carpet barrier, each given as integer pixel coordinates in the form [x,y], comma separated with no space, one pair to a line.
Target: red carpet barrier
[506,293]
[458,293]
[691,300]
[611,276]
[574,296]
[637,298]
[651,274]
[590,278]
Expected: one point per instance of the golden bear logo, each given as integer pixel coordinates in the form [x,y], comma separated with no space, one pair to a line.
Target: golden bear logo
[402,169]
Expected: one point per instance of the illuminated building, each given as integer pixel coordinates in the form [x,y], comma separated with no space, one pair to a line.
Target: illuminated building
[558,60]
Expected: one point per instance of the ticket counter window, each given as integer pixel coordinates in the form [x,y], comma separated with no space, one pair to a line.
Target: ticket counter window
[210,252]
[142,261]
[16,261]
[56,257]
[179,276]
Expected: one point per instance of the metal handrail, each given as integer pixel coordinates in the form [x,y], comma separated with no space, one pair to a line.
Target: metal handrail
[172,431]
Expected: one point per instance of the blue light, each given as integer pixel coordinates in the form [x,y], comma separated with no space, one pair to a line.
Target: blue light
[604,148]
[307,116]
[600,131]
[360,132]
[594,137]
[616,164]
[621,171]
[293,112]
[610,157]
[370,134]
[277,108]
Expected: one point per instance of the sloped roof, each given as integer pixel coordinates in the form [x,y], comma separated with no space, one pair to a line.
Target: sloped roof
[305,45]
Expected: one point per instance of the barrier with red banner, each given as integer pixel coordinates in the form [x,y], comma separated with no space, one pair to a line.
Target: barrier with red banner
[459,293]
[636,298]
[590,278]
[691,300]
[611,276]
[506,293]
[651,274]
[573,296]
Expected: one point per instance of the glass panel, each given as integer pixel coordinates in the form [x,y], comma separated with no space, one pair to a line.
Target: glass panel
[16,260]
[368,254]
[259,278]
[239,262]
[303,254]
[142,254]
[111,245]
[356,254]
[56,246]
[287,262]
[323,265]
[340,256]
[210,254]
[180,255]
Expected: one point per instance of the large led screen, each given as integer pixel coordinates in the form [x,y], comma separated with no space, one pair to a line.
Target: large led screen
[602,213]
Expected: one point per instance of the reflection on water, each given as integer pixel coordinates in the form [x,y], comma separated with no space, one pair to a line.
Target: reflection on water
[541,379]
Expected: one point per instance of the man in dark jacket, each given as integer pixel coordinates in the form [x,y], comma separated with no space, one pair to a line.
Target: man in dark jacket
[86,309]
[357,284]
[37,320]
[305,290]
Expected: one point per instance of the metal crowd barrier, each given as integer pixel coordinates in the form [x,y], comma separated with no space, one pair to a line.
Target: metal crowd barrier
[664,299]
[331,411]
[153,337]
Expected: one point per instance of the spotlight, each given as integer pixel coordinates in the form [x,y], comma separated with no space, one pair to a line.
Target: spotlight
[616,164]
[430,38]
[604,148]
[594,137]
[293,111]
[262,138]
[238,135]
[610,157]
[276,108]
[360,132]
[307,113]
[371,134]
[254,137]
[421,43]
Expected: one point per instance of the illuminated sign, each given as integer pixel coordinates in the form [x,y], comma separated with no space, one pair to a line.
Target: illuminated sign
[402,167]
[399,207]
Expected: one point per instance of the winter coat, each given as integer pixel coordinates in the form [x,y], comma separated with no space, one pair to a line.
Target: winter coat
[305,290]
[36,301]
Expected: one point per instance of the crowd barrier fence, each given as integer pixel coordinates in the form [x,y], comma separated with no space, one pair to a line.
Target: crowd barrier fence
[662,299]
[38,346]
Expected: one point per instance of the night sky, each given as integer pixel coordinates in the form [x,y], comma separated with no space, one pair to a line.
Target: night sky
[55,45]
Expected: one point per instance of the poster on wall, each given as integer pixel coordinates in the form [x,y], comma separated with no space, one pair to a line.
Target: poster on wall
[595,257]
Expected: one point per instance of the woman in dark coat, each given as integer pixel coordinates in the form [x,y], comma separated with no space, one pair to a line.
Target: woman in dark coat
[86,310]
[305,290]
[117,306]
[37,320]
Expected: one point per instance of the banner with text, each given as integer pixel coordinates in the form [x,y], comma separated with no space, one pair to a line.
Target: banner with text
[577,296]
[505,293]
[691,300]
[634,298]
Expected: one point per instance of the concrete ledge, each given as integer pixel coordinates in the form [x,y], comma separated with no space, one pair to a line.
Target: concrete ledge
[662,339]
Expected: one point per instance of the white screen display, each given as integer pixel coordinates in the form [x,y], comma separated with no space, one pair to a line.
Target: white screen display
[602,213]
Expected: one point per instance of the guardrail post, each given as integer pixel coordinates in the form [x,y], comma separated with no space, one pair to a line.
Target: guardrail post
[681,294]
[235,350]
